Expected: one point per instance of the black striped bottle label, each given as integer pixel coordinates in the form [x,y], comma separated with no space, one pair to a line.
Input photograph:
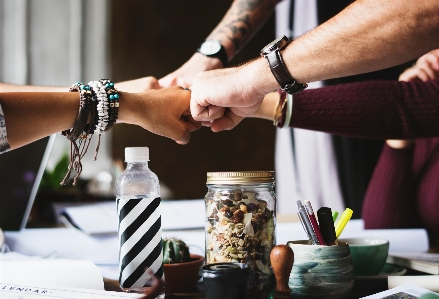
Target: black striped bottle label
[140,241]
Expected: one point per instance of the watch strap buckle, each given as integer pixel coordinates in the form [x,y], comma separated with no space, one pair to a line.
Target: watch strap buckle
[294,87]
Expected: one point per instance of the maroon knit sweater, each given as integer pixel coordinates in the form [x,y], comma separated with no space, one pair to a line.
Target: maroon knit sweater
[404,188]
[371,109]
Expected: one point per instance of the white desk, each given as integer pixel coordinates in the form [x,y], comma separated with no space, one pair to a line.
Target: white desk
[72,243]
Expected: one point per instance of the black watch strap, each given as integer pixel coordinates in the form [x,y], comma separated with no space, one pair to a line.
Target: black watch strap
[221,55]
[280,72]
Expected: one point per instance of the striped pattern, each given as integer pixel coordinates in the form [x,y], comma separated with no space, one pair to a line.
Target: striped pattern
[140,238]
[4,145]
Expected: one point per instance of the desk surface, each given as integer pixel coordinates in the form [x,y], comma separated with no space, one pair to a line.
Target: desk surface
[362,288]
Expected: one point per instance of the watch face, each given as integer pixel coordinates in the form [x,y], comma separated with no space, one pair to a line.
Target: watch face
[278,43]
[210,47]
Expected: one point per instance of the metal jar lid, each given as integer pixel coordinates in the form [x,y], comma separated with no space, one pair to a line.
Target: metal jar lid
[240,177]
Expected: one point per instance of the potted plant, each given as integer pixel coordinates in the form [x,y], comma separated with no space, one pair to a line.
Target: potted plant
[181,268]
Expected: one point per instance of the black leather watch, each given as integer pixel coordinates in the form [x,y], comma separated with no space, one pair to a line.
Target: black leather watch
[271,52]
[213,48]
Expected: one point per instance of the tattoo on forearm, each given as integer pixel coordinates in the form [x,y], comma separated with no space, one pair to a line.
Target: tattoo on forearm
[242,19]
[237,31]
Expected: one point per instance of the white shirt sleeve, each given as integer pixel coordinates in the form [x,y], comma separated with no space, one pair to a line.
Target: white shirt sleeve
[4,145]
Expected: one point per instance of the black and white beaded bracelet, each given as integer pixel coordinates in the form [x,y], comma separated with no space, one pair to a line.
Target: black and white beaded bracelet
[108,104]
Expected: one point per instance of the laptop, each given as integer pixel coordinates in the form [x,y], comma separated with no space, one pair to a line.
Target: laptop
[21,171]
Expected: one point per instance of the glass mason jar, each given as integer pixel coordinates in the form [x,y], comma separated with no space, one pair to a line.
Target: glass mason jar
[240,224]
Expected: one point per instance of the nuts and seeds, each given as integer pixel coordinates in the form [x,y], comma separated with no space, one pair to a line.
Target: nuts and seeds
[240,228]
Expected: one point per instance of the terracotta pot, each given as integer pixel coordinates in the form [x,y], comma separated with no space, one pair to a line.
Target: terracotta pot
[183,277]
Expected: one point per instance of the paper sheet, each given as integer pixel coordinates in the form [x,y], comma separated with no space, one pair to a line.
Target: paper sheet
[101,218]
[402,291]
[430,282]
[65,243]
[72,243]
[14,291]
[56,272]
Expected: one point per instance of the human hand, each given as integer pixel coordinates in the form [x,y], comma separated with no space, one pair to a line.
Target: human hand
[232,88]
[184,76]
[399,144]
[163,111]
[138,85]
[266,110]
[426,68]
[156,288]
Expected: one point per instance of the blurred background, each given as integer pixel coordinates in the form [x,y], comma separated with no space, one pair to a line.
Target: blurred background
[59,42]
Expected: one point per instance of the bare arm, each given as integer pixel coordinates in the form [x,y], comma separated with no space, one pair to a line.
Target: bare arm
[368,35]
[241,22]
[30,116]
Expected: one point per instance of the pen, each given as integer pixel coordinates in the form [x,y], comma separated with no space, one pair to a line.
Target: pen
[327,225]
[334,216]
[312,217]
[304,228]
[304,216]
[341,223]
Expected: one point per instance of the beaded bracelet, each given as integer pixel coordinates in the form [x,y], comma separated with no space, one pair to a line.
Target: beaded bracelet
[85,106]
[99,103]
[107,109]
[108,104]
[113,111]
[77,151]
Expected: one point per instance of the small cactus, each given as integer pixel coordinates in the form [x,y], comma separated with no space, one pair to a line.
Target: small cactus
[175,251]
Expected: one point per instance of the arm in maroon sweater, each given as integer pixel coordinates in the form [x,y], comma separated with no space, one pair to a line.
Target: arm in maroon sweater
[389,200]
[371,109]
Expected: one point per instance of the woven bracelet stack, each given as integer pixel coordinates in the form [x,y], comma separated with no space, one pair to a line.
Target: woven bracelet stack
[98,112]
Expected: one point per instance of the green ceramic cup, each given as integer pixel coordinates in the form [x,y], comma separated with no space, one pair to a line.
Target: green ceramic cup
[368,255]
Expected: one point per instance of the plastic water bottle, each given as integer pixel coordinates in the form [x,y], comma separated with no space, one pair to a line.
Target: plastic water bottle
[139,222]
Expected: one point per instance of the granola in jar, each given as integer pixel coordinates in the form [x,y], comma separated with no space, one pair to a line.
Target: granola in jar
[240,228]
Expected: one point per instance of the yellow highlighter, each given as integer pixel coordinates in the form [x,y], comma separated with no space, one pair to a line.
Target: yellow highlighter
[342,221]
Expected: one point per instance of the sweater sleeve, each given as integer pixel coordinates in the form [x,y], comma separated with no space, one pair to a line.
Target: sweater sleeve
[390,199]
[4,145]
[371,109]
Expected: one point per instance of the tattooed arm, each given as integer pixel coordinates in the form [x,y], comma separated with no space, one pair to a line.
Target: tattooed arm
[240,23]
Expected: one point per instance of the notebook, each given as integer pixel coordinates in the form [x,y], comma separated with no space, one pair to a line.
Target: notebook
[419,261]
[21,171]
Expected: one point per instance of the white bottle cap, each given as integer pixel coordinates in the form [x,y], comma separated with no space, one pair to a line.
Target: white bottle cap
[136,154]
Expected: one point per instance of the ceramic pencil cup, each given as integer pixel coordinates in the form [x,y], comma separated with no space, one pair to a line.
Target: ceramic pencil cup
[321,271]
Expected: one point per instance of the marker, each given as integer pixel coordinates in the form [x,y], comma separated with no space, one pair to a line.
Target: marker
[304,216]
[327,225]
[341,223]
[334,216]
[316,227]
